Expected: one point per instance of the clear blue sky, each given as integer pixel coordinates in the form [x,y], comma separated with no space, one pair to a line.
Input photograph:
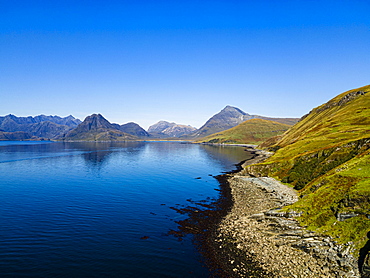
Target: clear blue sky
[181,61]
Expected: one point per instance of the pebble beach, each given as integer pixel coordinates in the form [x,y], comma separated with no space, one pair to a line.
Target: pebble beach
[257,239]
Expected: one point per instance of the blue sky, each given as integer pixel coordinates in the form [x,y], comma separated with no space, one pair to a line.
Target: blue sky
[181,61]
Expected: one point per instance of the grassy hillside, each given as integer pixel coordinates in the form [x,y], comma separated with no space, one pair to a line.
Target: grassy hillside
[326,157]
[343,119]
[287,121]
[252,131]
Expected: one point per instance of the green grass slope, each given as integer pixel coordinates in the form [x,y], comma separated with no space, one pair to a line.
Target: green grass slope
[326,157]
[345,190]
[253,131]
[345,118]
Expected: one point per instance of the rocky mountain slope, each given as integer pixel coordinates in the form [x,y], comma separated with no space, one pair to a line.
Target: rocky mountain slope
[252,131]
[12,123]
[133,129]
[97,128]
[230,117]
[40,126]
[326,157]
[164,129]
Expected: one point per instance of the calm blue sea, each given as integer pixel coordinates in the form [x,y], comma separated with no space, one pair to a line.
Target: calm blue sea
[103,209]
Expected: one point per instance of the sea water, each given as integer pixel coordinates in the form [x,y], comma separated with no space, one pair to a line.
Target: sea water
[103,209]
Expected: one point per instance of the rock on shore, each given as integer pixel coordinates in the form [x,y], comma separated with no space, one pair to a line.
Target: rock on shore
[256,233]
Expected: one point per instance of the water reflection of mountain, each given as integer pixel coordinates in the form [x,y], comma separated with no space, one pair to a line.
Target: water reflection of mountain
[96,153]
[226,155]
[166,148]
[30,147]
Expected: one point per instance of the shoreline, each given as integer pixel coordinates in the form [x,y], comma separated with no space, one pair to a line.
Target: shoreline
[255,239]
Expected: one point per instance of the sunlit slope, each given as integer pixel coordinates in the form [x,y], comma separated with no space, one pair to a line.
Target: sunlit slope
[343,119]
[253,131]
[342,192]
[326,157]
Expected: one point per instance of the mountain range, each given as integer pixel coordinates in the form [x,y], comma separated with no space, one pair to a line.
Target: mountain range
[11,122]
[57,128]
[97,128]
[22,128]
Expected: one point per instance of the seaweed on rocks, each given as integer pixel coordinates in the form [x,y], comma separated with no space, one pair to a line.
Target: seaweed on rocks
[202,221]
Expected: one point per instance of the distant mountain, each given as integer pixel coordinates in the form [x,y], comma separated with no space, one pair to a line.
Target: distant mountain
[10,121]
[133,129]
[225,119]
[166,129]
[39,126]
[178,130]
[160,126]
[17,135]
[68,121]
[47,129]
[229,117]
[97,128]
[252,131]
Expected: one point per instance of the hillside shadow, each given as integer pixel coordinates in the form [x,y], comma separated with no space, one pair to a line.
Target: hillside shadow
[363,252]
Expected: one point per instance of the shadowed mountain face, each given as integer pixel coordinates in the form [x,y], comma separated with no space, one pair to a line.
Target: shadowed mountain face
[97,128]
[133,129]
[166,129]
[94,122]
[40,126]
[230,117]
[47,129]
[17,135]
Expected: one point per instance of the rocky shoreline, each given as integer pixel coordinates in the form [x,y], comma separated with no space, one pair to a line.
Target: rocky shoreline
[255,239]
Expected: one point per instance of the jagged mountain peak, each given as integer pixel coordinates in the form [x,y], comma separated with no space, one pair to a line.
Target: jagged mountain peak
[96,128]
[96,115]
[165,122]
[95,121]
[229,108]
[227,118]
[159,126]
